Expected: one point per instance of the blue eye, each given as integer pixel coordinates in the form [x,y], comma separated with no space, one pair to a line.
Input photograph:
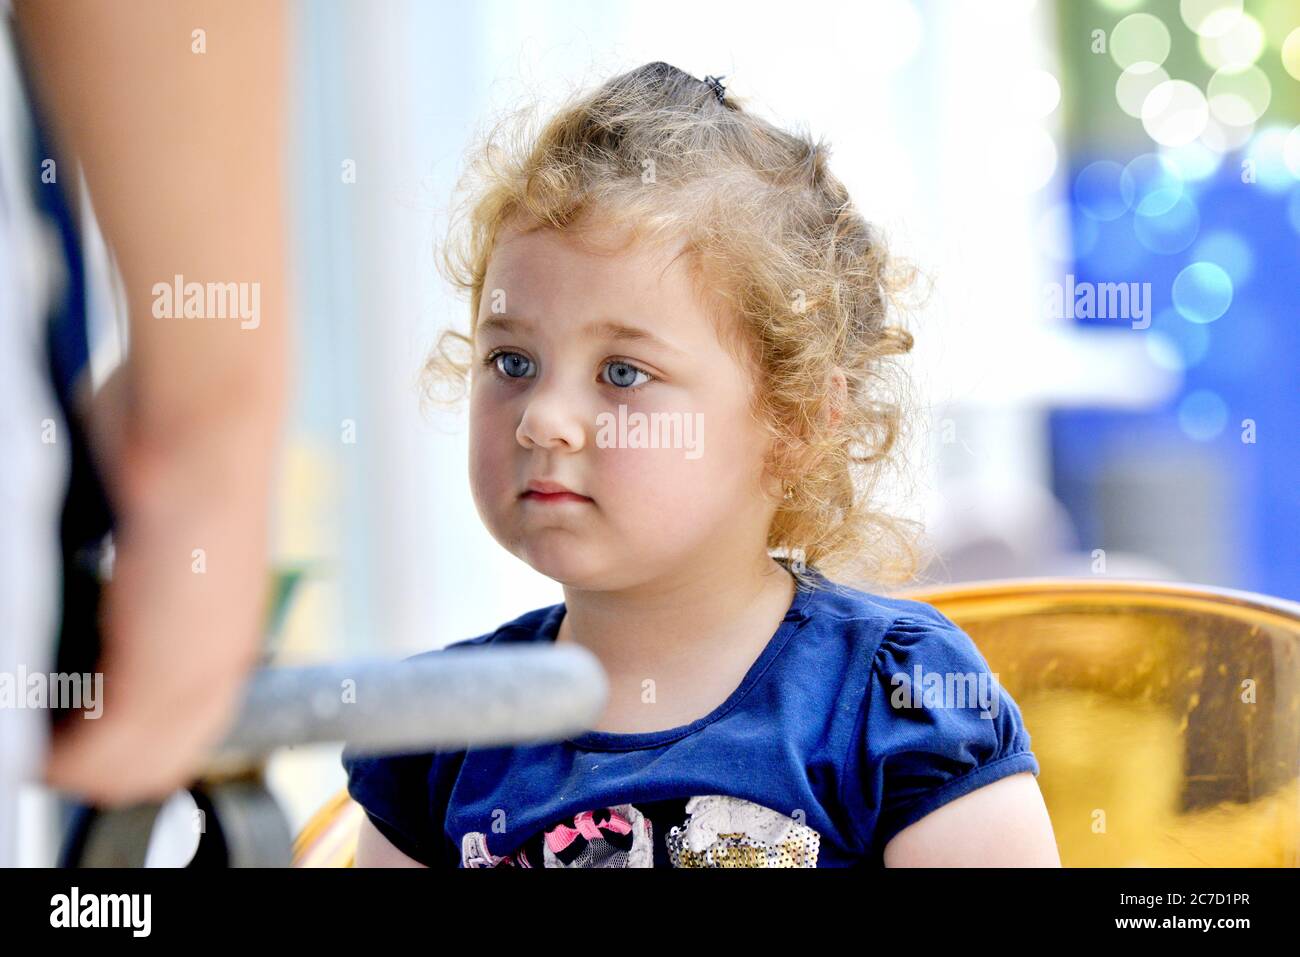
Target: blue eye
[513,368]
[624,370]
[514,365]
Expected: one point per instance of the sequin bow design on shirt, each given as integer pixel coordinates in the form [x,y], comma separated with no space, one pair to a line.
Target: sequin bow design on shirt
[718,831]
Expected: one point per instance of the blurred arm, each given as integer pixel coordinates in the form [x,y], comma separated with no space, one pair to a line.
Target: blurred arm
[183,155]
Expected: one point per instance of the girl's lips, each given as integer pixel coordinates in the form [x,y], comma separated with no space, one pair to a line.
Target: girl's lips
[553,497]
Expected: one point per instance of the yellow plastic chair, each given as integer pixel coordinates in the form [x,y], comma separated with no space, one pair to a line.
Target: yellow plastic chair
[1165,719]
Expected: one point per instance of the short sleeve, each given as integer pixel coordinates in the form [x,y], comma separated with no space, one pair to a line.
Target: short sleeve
[935,724]
[405,796]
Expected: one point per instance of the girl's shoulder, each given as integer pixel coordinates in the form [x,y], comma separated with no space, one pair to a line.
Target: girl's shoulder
[934,721]
[893,631]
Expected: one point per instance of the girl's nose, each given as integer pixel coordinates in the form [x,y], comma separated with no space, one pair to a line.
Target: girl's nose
[551,421]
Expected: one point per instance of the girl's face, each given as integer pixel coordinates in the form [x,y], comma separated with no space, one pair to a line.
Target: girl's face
[566,338]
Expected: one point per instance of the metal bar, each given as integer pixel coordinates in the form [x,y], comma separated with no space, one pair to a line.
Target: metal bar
[449,700]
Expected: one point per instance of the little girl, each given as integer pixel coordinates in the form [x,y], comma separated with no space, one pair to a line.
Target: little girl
[657,254]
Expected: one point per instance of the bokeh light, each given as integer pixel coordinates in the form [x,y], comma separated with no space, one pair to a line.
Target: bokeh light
[1037,95]
[1228,250]
[1239,98]
[1291,152]
[1139,37]
[1098,191]
[1223,138]
[1194,161]
[1167,232]
[1202,415]
[1175,112]
[1291,53]
[1210,18]
[1152,181]
[1236,49]
[1202,292]
[1135,85]
[1267,156]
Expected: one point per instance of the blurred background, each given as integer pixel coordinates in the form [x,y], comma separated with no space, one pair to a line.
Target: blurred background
[1018,151]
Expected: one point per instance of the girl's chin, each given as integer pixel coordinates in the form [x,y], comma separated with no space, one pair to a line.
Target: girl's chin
[564,563]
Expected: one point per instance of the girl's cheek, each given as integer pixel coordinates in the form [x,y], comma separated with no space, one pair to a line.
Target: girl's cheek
[491,437]
[652,480]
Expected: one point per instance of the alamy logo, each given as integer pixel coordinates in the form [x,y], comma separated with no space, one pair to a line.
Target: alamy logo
[55,690]
[102,910]
[1106,300]
[212,300]
[946,689]
[654,430]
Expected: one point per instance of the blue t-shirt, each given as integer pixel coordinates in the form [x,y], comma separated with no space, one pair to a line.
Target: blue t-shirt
[862,715]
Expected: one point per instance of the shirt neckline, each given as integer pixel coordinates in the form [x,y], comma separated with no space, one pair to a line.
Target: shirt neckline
[638,740]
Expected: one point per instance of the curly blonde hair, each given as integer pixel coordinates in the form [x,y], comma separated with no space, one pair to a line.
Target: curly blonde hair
[800,285]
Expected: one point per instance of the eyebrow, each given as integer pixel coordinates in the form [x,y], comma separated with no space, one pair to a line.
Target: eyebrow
[608,328]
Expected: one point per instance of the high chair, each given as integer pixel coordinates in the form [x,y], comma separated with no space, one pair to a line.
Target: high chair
[1165,719]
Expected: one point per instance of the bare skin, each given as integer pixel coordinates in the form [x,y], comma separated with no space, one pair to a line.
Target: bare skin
[1003,824]
[186,432]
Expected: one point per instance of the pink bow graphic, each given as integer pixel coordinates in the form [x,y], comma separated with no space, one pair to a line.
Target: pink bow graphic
[561,836]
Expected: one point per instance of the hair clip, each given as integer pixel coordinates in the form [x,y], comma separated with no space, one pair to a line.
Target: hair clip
[714,83]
